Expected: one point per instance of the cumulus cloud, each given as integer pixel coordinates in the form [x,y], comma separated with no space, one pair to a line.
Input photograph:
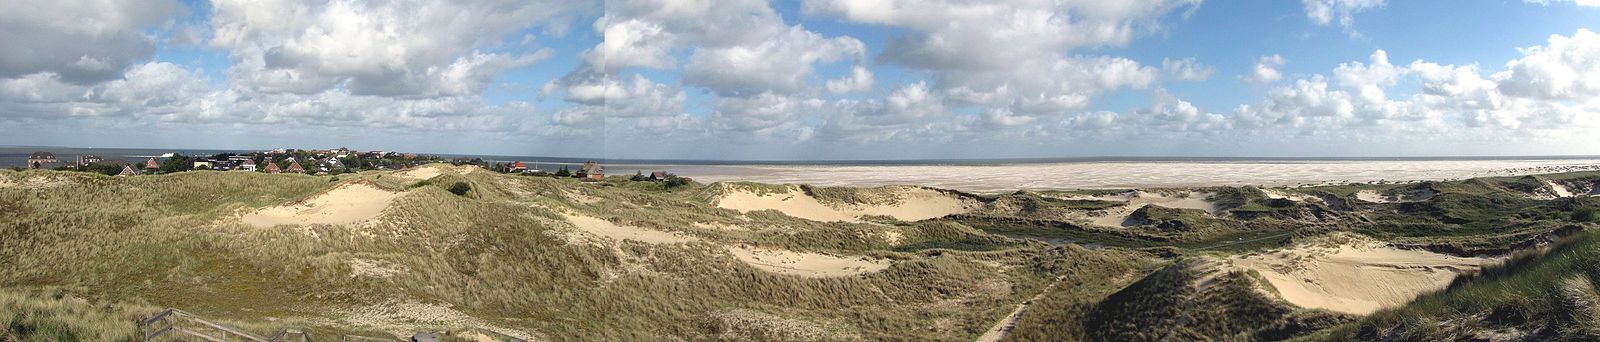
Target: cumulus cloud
[82,42]
[860,79]
[781,64]
[413,49]
[1186,69]
[1567,68]
[1014,53]
[1326,12]
[1265,70]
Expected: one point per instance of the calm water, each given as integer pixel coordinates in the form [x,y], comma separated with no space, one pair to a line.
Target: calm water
[990,176]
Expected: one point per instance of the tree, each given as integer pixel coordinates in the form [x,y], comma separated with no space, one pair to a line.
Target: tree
[178,163]
[564,172]
[674,181]
[638,176]
[460,188]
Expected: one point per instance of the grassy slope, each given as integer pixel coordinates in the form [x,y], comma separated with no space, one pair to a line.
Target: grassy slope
[500,254]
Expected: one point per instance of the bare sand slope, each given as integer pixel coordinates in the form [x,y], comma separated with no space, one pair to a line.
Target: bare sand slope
[1299,197]
[1114,217]
[422,172]
[773,260]
[793,203]
[1375,197]
[1559,190]
[811,265]
[1356,277]
[911,204]
[348,203]
[618,232]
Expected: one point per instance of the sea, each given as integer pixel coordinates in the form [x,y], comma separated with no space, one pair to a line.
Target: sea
[1003,175]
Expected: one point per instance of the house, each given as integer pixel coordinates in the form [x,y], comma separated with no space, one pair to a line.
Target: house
[201,164]
[127,170]
[294,167]
[152,165]
[273,167]
[659,176]
[248,165]
[41,159]
[86,159]
[517,167]
[592,170]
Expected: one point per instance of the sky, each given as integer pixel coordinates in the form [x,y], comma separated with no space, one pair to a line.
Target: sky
[808,79]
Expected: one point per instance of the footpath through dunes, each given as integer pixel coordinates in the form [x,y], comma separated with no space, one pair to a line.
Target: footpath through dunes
[349,203]
[811,265]
[905,203]
[1355,275]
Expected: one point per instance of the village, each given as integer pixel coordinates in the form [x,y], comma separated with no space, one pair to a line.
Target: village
[314,162]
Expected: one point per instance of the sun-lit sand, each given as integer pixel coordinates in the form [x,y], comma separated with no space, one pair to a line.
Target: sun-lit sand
[618,232]
[422,172]
[912,204]
[811,265]
[1358,276]
[348,203]
[766,259]
[1115,217]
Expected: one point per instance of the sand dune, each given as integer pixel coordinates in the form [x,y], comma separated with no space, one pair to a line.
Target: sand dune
[607,229]
[1375,197]
[767,259]
[421,172]
[811,265]
[348,203]
[912,204]
[1357,277]
[1115,217]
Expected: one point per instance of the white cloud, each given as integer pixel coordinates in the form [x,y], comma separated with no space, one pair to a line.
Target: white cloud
[1266,70]
[1186,69]
[1585,3]
[413,49]
[83,42]
[860,79]
[783,63]
[1567,68]
[1325,12]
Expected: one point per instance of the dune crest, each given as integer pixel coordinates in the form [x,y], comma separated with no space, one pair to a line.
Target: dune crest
[812,265]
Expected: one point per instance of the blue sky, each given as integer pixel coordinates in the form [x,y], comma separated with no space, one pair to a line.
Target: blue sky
[809,79]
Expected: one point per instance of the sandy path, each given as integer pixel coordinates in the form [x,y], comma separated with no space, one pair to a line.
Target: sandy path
[346,204]
[1357,278]
[1004,326]
[779,261]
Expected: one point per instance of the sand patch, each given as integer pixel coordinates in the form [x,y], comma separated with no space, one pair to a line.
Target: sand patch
[1116,217]
[767,259]
[1293,196]
[1559,190]
[811,265]
[793,203]
[402,319]
[420,173]
[372,268]
[1357,277]
[909,204]
[614,231]
[1408,197]
[347,203]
